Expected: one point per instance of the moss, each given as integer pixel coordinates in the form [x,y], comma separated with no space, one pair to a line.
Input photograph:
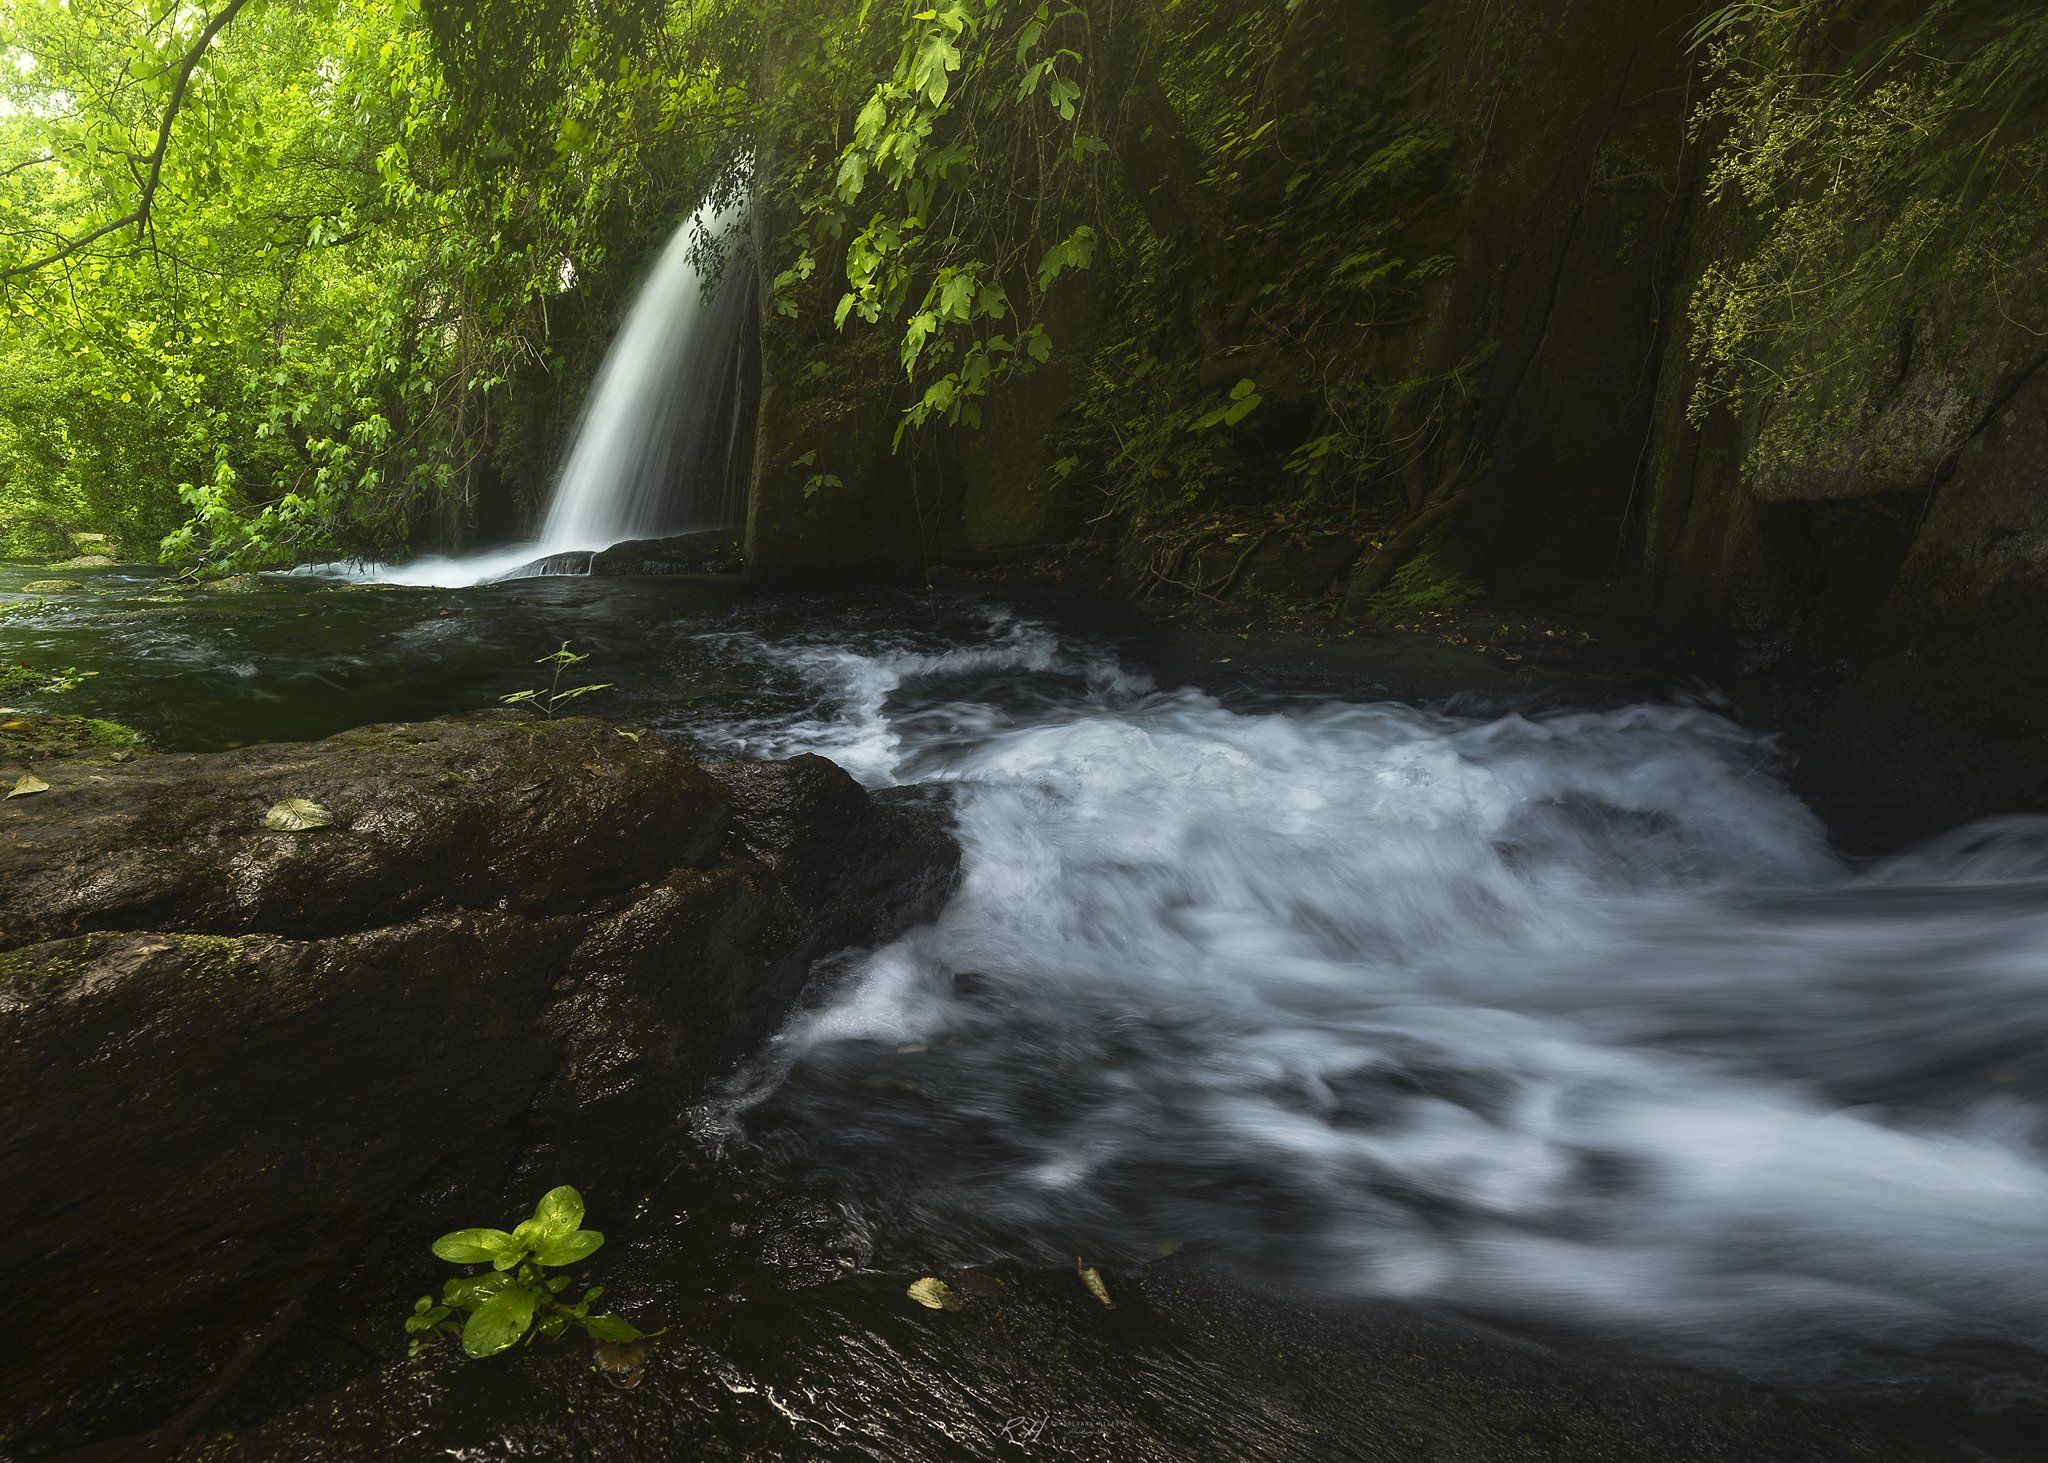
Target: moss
[212,957]
[28,680]
[52,965]
[111,734]
[54,962]
[233,584]
[33,737]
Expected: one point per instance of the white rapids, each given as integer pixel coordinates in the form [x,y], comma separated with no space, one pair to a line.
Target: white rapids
[1572,1020]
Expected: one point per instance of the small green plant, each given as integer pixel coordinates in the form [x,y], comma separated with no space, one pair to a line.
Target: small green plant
[516,1300]
[1420,584]
[552,698]
[1244,400]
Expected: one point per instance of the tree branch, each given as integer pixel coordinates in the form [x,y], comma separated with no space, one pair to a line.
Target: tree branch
[34,162]
[139,215]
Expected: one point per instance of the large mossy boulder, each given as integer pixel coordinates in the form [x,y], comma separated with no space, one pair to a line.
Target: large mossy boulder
[237,1053]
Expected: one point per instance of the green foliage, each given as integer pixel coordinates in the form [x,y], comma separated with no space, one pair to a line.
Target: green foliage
[983,103]
[1243,400]
[516,1300]
[546,701]
[1892,172]
[1323,185]
[1420,585]
[370,212]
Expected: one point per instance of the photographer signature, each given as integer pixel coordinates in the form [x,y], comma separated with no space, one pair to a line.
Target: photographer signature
[1036,1427]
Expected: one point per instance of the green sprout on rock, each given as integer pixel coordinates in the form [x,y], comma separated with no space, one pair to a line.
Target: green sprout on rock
[516,1300]
[553,697]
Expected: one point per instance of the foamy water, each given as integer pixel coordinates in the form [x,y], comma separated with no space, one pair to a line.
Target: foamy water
[1572,1020]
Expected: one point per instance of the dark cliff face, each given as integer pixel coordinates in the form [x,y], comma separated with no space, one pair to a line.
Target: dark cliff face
[1590,403]
[1844,494]
[242,1060]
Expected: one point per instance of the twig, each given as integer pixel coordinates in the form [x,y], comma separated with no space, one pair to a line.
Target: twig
[168,1439]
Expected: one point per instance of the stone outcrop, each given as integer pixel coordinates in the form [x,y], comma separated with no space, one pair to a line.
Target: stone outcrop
[711,551]
[235,1055]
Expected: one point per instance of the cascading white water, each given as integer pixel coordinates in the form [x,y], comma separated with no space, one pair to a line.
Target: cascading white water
[652,451]
[660,411]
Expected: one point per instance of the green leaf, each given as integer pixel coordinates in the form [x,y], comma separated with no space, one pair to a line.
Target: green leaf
[853,175]
[467,1292]
[1062,93]
[293,815]
[499,1321]
[934,1294]
[609,1327]
[956,296]
[868,125]
[567,1249]
[1244,399]
[473,1246]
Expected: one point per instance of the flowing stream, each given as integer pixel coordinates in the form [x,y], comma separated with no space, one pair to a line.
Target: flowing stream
[1571,1021]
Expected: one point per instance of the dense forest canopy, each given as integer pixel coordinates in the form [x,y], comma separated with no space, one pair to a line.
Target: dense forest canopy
[268,267]
[285,278]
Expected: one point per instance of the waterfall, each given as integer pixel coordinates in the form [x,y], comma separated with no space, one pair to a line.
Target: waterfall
[660,443]
[651,453]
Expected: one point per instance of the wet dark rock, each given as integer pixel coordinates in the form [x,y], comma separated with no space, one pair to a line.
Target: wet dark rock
[234,1056]
[712,551]
[789,1340]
